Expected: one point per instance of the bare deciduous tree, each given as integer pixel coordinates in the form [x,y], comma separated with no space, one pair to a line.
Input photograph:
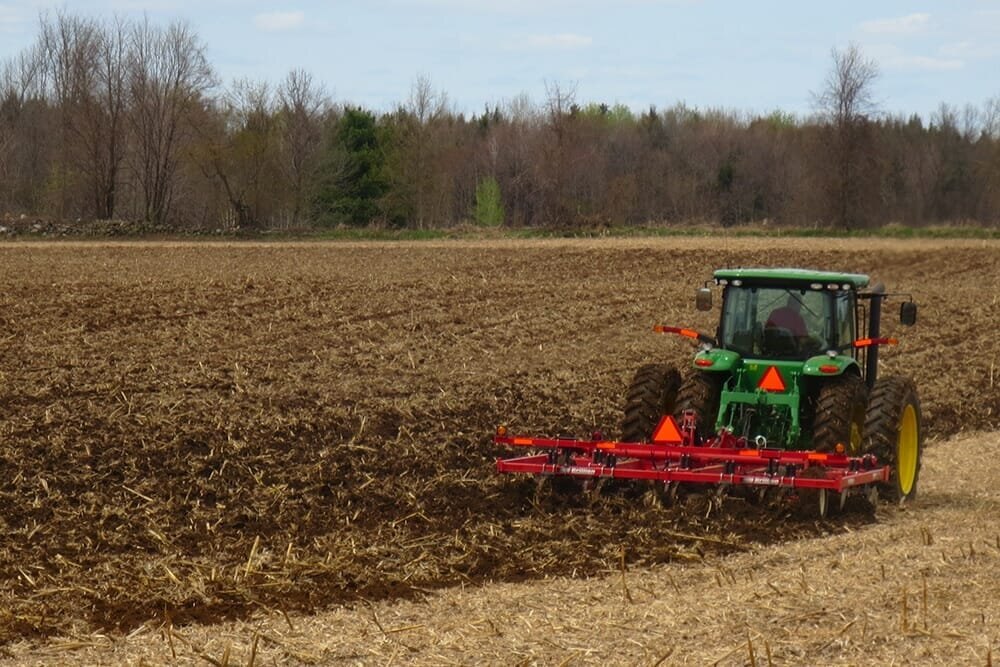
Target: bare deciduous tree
[69,45]
[168,77]
[106,117]
[848,95]
[847,101]
[991,118]
[303,105]
[560,102]
[419,186]
[25,136]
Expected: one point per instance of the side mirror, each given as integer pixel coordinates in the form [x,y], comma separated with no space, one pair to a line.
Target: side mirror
[908,313]
[703,299]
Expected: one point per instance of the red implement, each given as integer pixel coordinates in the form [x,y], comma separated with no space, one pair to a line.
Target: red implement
[724,460]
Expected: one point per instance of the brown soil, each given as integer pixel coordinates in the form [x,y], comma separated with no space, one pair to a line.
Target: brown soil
[916,587]
[195,432]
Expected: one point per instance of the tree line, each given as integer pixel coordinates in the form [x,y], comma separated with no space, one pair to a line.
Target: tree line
[119,119]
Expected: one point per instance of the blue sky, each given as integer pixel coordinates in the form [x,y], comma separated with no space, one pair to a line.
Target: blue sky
[750,56]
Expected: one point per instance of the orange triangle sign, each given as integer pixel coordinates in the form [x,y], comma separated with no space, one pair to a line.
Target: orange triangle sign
[772,380]
[666,432]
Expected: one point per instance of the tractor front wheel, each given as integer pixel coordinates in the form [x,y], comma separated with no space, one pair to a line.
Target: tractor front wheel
[840,415]
[651,395]
[893,433]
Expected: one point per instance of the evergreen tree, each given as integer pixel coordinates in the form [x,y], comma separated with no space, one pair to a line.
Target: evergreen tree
[351,179]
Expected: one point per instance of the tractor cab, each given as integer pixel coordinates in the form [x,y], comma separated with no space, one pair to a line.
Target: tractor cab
[785,322]
[789,314]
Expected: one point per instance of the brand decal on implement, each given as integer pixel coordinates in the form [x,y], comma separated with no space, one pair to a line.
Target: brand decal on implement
[578,470]
[765,481]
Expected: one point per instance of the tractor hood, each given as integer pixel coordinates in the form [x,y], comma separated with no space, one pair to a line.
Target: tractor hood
[717,360]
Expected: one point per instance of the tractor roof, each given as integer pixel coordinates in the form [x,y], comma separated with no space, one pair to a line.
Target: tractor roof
[793,276]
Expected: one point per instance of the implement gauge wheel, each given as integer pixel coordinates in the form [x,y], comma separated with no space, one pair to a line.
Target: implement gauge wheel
[840,414]
[893,433]
[651,395]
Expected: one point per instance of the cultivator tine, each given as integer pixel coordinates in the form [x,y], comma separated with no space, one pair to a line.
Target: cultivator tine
[651,498]
[672,491]
[715,500]
[823,503]
[593,488]
[543,485]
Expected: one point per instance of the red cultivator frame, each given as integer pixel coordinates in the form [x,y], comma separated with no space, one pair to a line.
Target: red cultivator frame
[673,458]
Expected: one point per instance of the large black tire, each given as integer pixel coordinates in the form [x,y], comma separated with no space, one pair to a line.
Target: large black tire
[839,418]
[700,392]
[894,434]
[651,395]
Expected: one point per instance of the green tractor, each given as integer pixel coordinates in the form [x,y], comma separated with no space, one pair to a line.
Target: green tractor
[788,369]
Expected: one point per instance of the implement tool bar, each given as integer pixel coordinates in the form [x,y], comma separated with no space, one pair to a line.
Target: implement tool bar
[692,464]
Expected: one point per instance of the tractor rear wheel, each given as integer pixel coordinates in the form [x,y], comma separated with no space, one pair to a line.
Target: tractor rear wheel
[840,415]
[700,392]
[893,433]
[651,395]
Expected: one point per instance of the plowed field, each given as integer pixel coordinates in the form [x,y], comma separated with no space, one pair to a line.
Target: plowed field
[201,431]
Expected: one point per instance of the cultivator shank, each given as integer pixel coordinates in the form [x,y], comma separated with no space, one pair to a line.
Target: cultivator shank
[674,458]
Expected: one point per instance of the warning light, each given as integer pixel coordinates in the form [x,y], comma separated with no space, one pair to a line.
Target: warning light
[501,430]
[829,368]
[704,362]
[667,432]
[839,448]
[772,380]
[868,342]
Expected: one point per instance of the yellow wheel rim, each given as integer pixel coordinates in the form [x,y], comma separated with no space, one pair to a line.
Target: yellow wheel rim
[855,438]
[906,450]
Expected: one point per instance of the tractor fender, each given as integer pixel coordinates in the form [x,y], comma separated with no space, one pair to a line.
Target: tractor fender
[824,365]
[716,360]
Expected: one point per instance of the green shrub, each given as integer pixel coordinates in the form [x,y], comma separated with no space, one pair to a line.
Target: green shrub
[489,204]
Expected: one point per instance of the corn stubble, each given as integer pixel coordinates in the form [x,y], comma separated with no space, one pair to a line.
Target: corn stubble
[198,432]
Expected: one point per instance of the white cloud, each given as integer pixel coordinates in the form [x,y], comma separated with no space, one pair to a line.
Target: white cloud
[890,56]
[903,25]
[275,21]
[563,40]
[927,63]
